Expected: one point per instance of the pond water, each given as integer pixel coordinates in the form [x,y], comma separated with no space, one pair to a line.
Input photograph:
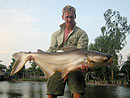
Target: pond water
[38,90]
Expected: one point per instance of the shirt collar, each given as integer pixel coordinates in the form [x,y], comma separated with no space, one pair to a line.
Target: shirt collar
[62,26]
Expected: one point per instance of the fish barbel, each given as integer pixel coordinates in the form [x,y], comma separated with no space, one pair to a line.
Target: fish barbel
[63,62]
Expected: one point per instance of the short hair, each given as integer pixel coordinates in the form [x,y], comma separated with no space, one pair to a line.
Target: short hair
[69,9]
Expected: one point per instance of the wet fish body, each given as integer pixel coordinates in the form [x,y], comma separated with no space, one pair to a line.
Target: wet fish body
[63,62]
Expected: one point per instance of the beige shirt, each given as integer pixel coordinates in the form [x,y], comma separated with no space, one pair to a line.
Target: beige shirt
[76,39]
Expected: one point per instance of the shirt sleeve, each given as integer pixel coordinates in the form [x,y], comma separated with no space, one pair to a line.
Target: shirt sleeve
[83,40]
[53,45]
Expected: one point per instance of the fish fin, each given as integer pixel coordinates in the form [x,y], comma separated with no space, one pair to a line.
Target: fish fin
[40,51]
[20,60]
[48,73]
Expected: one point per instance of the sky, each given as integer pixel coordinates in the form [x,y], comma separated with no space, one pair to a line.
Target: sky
[27,25]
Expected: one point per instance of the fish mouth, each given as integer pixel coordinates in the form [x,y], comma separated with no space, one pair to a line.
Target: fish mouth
[110,60]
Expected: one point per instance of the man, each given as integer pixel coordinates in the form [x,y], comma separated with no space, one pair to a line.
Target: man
[68,37]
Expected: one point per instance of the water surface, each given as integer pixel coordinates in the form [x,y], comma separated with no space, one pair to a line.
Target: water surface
[38,90]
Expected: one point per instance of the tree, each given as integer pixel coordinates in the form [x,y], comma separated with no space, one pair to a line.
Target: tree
[116,29]
[11,65]
[2,67]
[33,69]
[126,69]
[113,38]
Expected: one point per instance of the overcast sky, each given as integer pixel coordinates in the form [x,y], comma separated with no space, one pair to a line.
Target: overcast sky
[27,25]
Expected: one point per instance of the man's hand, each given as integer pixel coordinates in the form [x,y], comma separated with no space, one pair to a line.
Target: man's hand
[84,68]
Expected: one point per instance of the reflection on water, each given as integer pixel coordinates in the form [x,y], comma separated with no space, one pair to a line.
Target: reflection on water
[38,90]
[97,91]
[22,90]
[123,92]
[107,91]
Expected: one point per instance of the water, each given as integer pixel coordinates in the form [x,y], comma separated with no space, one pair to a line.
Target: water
[38,90]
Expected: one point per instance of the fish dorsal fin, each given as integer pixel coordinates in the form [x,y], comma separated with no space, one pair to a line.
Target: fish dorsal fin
[40,51]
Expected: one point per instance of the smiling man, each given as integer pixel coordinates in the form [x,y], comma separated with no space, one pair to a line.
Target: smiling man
[68,37]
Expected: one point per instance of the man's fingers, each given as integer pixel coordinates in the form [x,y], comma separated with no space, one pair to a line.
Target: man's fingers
[84,68]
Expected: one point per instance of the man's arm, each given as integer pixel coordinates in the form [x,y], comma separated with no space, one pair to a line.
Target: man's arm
[53,45]
[83,44]
[83,41]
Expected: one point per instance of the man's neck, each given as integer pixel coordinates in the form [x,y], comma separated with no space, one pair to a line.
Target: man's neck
[69,28]
[67,31]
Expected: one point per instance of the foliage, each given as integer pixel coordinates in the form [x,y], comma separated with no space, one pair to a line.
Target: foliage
[126,66]
[11,65]
[2,67]
[112,40]
[115,30]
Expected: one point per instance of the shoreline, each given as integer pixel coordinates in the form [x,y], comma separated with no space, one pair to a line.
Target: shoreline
[99,83]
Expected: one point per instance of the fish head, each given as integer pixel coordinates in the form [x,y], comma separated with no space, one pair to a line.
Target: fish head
[98,59]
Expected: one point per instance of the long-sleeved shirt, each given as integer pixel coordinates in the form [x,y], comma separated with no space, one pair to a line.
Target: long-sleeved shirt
[76,39]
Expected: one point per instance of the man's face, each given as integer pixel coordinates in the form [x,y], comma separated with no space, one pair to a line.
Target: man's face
[69,18]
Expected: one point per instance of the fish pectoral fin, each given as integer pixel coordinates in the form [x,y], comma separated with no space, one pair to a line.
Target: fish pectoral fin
[48,73]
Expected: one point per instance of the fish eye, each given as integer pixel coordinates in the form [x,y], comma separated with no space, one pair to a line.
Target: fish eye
[105,60]
[92,61]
